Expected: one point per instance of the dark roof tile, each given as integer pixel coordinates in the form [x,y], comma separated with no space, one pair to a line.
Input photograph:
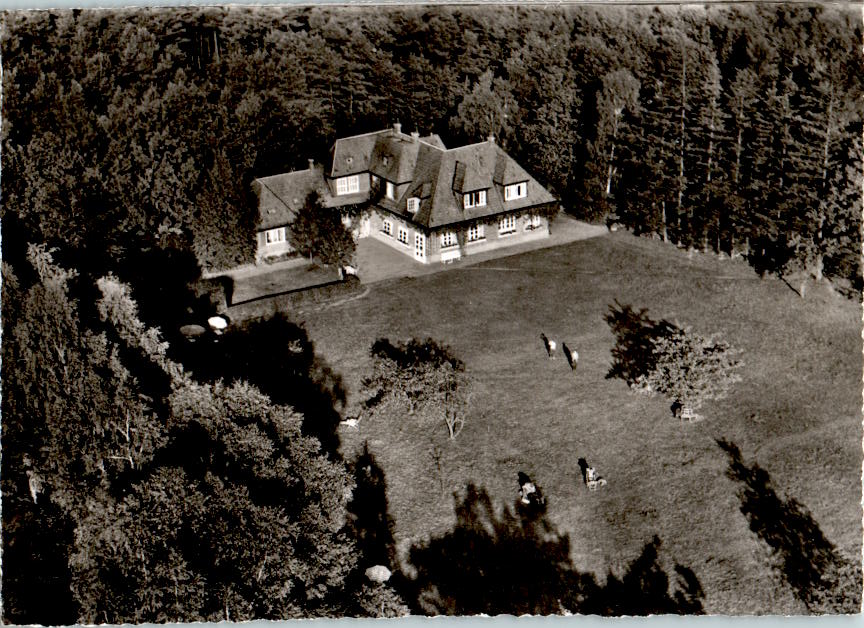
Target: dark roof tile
[439,177]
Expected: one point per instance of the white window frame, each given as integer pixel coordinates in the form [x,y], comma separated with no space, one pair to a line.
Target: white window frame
[390,191]
[533,222]
[449,239]
[475,233]
[506,225]
[413,205]
[274,236]
[516,191]
[387,228]
[474,199]
[348,185]
[403,236]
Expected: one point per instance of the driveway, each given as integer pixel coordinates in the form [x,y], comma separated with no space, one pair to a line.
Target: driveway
[377,261]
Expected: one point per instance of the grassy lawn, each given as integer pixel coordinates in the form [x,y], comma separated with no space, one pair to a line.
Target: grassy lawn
[796,414]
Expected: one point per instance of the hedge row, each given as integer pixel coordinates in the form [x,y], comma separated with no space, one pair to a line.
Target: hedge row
[295,299]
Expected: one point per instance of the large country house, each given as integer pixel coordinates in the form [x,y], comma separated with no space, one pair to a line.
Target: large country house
[427,201]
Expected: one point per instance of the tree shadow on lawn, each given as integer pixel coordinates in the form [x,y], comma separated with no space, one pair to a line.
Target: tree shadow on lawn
[277,356]
[818,575]
[369,519]
[633,354]
[518,563]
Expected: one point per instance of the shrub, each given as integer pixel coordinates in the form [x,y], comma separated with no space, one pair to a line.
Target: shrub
[292,301]
[661,357]
[213,295]
[422,377]
[690,369]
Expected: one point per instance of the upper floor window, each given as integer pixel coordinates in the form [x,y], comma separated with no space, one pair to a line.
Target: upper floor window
[475,232]
[413,204]
[507,224]
[391,191]
[448,238]
[475,199]
[274,236]
[347,185]
[517,190]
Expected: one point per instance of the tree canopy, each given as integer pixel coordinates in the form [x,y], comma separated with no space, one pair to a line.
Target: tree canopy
[184,500]
[733,129]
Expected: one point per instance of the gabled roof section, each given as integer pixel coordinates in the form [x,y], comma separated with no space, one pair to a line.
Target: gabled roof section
[473,169]
[507,171]
[280,196]
[476,165]
[394,157]
[434,140]
[353,155]
[421,167]
[362,153]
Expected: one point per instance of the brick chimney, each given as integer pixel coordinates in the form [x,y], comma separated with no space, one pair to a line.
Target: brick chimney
[415,136]
[311,164]
[397,127]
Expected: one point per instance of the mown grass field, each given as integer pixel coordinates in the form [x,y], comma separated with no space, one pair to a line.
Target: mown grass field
[796,413]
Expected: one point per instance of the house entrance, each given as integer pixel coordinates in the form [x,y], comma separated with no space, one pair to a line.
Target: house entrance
[365,228]
[420,246]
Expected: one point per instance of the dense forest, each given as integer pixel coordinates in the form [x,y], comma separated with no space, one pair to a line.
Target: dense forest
[735,129]
[129,142]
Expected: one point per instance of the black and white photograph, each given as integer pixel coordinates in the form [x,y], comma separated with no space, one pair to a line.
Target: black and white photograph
[409,310]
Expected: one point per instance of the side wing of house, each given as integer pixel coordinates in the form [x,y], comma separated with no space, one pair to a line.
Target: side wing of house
[280,197]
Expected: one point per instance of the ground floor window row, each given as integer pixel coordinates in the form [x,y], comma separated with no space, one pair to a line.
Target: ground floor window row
[507,225]
[401,232]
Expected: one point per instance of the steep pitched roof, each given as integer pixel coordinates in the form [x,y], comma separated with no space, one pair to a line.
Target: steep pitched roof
[481,162]
[394,157]
[507,171]
[366,153]
[434,140]
[437,176]
[282,195]
[352,155]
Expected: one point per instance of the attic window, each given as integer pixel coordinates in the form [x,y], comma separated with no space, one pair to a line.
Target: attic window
[517,190]
[474,199]
[385,160]
[274,236]
[347,185]
[413,204]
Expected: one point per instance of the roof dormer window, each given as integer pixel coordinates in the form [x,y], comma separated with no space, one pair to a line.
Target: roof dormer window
[474,199]
[385,160]
[517,190]
[413,204]
[347,185]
